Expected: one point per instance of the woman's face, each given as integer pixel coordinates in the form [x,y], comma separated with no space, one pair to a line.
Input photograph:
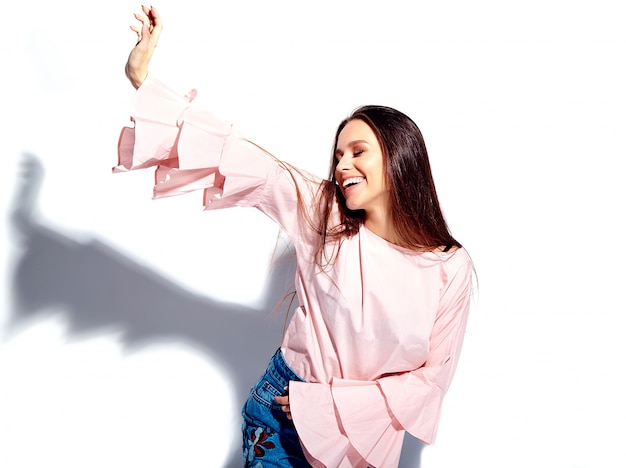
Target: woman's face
[360,170]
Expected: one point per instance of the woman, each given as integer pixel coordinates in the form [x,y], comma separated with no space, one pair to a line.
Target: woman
[383,287]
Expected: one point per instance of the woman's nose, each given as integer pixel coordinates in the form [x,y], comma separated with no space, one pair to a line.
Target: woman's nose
[344,163]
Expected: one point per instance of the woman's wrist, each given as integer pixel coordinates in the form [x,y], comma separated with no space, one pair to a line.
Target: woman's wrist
[136,81]
[135,76]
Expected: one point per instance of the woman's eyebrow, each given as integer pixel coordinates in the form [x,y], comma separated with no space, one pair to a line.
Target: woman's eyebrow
[350,144]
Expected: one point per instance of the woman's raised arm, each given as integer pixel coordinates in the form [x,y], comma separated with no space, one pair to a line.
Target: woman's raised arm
[148,36]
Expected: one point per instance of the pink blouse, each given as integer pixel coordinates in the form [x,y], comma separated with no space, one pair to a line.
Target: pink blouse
[376,338]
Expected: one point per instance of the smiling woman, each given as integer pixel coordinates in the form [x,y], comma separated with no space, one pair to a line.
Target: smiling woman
[383,288]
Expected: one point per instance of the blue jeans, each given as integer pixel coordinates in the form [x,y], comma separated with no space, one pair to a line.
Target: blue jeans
[269,438]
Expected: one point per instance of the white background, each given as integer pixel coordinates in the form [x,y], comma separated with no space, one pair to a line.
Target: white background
[522,107]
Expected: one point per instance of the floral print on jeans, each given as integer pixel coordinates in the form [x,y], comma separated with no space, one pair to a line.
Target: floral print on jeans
[256,443]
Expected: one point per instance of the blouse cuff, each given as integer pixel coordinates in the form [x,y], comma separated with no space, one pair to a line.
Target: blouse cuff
[370,427]
[415,400]
[191,148]
[345,422]
[313,413]
[155,112]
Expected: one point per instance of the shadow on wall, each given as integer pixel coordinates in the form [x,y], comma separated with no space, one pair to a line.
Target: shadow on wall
[99,288]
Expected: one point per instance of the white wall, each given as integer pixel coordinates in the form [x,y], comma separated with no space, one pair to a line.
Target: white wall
[107,357]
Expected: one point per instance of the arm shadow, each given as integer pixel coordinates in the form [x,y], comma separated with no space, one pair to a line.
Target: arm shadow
[100,289]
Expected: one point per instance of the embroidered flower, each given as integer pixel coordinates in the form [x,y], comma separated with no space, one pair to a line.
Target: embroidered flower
[257,444]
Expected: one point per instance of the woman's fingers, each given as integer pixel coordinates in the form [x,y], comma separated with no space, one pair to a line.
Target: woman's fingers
[155,18]
[283,401]
[151,24]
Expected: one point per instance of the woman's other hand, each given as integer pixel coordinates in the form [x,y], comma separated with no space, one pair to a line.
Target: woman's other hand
[148,33]
[283,401]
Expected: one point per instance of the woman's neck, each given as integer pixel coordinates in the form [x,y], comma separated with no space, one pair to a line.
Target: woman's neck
[382,227]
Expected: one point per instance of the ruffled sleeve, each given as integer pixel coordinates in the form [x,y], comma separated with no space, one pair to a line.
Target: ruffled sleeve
[192,149]
[371,417]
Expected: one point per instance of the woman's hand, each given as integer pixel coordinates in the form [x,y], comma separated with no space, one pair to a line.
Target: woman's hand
[148,37]
[283,401]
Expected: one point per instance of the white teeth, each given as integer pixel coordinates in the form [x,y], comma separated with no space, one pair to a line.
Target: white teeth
[352,181]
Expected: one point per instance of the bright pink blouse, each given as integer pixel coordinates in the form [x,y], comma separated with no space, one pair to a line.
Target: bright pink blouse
[377,337]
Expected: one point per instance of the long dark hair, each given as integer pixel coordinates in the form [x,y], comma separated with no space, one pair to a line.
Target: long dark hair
[415,212]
